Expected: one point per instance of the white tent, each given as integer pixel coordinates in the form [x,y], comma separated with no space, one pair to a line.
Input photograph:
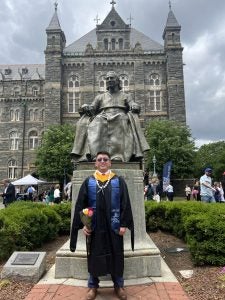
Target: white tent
[28,180]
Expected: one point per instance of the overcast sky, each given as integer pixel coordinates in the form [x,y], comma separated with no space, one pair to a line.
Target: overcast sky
[23,40]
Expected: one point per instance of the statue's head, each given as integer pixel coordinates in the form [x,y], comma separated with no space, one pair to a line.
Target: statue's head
[112,80]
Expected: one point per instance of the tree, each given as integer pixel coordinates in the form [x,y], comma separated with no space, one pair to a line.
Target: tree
[211,155]
[170,140]
[53,156]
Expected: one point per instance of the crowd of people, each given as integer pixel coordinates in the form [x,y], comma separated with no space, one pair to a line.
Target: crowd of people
[50,196]
[201,190]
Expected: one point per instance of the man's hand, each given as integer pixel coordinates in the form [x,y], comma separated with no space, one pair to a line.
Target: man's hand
[86,231]
[122,231]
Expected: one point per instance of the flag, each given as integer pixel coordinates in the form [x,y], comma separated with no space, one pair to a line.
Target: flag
[166,174]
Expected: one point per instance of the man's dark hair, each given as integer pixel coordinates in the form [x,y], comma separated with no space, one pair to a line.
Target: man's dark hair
[105,153]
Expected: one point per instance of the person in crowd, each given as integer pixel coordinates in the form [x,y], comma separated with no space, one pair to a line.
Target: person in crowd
[146,177]
[57,194]
[9,194]
[187,192]
[31,191]
[107,194]
[207,189]
[68,191]
[217,195]
[196,191]
[169,192]
[222,200]
[149,191]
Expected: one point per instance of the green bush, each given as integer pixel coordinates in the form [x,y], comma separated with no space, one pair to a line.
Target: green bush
[64,211]
[201,225]
[27,225]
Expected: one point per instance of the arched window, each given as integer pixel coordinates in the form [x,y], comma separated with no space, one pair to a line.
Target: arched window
[33,140]
[124,81]
[113,44]
[16,91]
[36,114]
[17,114]
[155,95]
[121,44]
[12,169]
[35,91]
[12,115]
[154,79]
[13,141]
[102,84]
[106,44]
[31,115]
[74,82]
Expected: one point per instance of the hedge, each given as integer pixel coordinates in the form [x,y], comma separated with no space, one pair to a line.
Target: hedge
[25,226]
[201,225]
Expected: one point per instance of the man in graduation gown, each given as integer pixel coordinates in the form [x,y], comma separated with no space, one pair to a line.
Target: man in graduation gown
[107,194]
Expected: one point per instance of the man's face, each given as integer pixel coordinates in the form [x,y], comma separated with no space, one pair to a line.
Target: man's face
[103,163]
[208,173]
[110,81]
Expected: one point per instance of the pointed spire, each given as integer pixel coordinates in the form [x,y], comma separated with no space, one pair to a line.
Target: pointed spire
[169,5]
[171,19]
[113,3]
[54,23]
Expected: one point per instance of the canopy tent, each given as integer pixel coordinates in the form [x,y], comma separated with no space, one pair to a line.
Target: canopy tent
[28,180]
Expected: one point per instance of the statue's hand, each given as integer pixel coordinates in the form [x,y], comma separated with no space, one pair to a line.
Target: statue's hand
[87,110]
[135,108]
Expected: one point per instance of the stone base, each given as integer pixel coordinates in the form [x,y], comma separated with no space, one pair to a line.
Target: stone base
[138,264]
[145,261]
[23,271]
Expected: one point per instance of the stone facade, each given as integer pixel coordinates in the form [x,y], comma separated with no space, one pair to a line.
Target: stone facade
[35,96]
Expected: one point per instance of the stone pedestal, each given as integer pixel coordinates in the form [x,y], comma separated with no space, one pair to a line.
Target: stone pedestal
[144,261]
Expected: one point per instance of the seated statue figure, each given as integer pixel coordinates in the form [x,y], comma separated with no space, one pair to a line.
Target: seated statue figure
[110,124]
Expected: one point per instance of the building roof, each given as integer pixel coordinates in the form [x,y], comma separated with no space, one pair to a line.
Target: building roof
[25,71]
[54,23]
[171,20]
[136,36]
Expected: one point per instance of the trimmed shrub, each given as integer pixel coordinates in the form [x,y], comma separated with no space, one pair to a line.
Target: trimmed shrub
[201,225]
[64,211]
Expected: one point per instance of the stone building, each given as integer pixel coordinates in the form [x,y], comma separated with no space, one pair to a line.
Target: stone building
[32,97]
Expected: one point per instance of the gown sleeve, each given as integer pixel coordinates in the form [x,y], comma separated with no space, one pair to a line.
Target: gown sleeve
[126,216]
[82,202]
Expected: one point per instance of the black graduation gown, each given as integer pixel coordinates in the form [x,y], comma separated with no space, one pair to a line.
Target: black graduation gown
[106,249]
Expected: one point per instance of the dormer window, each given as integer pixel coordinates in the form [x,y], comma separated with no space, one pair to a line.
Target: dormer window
[8,71]
[112,23]
[24,71]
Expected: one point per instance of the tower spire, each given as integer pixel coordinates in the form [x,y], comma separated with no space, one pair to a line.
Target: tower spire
[169,4]
[56,5]
[113,3]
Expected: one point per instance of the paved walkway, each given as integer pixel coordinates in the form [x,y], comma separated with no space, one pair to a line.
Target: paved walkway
[153,291]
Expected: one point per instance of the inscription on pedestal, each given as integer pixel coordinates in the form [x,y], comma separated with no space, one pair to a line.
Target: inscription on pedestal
[25,259]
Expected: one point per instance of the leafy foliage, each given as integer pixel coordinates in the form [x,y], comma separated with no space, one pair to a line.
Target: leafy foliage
[211,155]
[53,156]
[170,140]
[201,225]
[27,225]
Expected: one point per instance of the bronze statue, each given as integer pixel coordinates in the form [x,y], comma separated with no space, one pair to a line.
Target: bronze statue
[110,124]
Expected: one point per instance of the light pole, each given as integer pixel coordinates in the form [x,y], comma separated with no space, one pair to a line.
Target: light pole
[154,163]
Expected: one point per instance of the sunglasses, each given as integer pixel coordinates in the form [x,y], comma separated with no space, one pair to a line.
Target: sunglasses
[103,159]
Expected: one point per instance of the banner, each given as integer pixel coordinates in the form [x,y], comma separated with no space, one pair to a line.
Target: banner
[166,174]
